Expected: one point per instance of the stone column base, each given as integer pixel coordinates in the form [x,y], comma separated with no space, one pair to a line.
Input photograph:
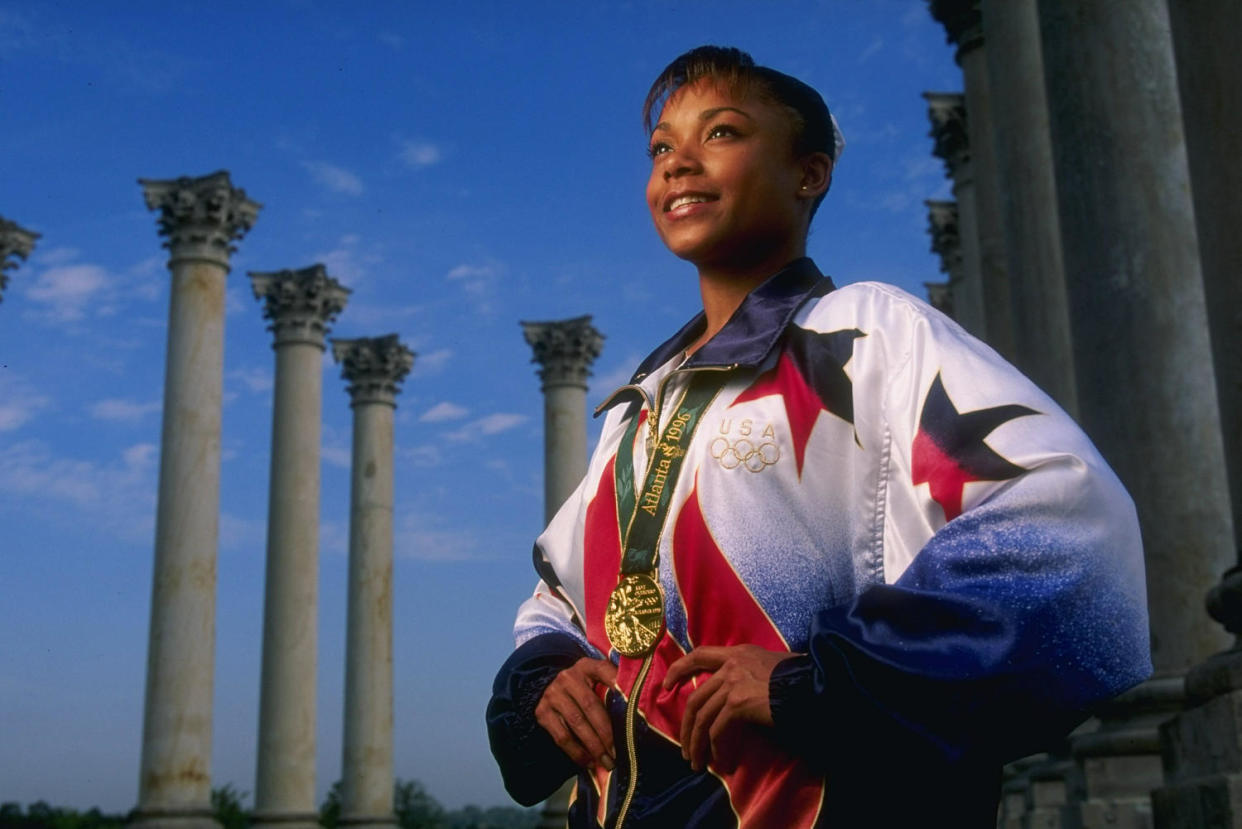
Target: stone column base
[1203,753]
[173,817]
[1120,762]
[1213,802]
[368,821]
[285,820]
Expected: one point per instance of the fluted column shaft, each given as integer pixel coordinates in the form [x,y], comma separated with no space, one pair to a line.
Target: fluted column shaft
[1202,747]
[300,304]
[1145,384]
[1209,73]
[564,445]
[1146,391]
[200,216]
[963,24]
[1028,197]
[374,367]
[565,351]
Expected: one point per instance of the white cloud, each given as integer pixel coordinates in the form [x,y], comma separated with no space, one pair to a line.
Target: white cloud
[377,316]
[425,455]
[419,154]
[149,276]
[492,424]
[419,537]
[497,423]
[334,538]
[471,273]
[238,301]
[336,456]
[443,411]
[141,455]
[914,15]
[607,381]
[432,362]
[254,379]
[246,534]
[346,262]
[66,290]
[54,256]
[19,401]
[336,179]
[117,409]
[478,282]
[872,49]
[919,167]
[116,497]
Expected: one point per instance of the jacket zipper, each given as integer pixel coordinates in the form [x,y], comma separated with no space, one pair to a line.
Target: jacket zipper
[631,749]
[631,704]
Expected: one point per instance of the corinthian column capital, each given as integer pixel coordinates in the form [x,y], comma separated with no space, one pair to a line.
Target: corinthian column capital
[374,367]
[565,349]
[947,112]
[200,216]
[945,238]
[299,303]
[14,241]
[962,21]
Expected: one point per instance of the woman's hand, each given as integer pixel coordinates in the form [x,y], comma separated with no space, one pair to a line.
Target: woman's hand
[575,716]
[735,694]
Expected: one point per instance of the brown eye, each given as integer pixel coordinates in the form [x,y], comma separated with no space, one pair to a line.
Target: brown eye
[659,148]
[721,131]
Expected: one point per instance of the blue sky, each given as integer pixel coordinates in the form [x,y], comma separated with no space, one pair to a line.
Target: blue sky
[459,166]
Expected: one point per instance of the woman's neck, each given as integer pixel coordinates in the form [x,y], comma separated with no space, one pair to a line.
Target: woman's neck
[724,290]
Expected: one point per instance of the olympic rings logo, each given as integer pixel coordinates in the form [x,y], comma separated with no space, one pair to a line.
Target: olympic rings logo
[744,452]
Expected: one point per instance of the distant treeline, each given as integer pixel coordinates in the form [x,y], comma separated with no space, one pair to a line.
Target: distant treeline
[413,806]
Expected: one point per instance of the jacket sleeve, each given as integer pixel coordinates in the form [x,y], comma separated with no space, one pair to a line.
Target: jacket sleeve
[549,638]
[531,764]
[1021,600]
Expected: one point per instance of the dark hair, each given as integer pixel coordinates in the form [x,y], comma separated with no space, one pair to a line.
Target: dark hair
[812,124]
[808,114]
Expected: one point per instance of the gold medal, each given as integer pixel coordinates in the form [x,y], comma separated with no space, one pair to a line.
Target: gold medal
[634,620]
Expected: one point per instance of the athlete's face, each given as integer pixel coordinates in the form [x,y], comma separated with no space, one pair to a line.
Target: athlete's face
[725,187]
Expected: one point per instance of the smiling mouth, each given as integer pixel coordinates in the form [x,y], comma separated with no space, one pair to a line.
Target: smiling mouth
[688,198]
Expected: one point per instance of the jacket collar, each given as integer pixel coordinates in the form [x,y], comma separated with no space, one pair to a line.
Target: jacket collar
[755,327]
[751,335]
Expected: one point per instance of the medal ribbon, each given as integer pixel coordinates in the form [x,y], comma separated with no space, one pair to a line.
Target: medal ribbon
[646,513]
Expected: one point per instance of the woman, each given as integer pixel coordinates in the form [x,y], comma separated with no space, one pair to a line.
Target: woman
[833,561]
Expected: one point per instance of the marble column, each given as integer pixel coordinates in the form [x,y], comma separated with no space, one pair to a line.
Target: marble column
[947,112]
[1028,197]
[14,241]
[946,243]
[963,24]
[1209,75]
[201,217]
[1202,747]
[300,305]
[374,368]
[1146,389]
[565,351]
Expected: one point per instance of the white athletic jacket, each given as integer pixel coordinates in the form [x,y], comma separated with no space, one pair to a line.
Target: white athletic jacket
[874,490]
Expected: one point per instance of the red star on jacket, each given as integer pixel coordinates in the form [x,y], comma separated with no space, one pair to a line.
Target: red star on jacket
[949,451]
